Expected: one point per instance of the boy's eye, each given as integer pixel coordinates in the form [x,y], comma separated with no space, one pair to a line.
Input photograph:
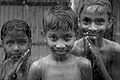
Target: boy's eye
[67,37]
[86,21]
[10,42]
[21,42]
[53,38]
[99,21]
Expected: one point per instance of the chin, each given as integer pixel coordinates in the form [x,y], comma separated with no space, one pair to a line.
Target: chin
[16,57]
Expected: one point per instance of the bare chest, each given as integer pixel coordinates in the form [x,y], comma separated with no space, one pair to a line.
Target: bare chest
[62,72]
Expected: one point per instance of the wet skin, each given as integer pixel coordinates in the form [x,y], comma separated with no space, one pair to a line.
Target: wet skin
[60,64]
[76,68]
[15,44]
[96,24]
[60,43]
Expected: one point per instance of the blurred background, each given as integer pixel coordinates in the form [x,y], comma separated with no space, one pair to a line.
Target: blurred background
[32,11]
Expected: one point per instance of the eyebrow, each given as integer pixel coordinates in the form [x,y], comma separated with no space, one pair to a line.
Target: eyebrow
[86,19]
[100,19]
[67,35]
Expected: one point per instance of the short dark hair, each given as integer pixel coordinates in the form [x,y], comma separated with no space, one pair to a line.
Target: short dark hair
[95,5]
[60,17]
[15,24]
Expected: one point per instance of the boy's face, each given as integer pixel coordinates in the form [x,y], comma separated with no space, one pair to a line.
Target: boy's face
[15,43]
[60,42]
[94,23]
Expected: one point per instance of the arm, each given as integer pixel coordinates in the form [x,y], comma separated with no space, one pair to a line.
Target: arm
[1,72]
[35,72]
[115,65]
[98,62]
[77,50]
[12,74]
[86,70]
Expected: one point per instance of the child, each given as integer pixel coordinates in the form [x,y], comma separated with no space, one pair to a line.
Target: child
[95,17]
[16,42]
[59,32]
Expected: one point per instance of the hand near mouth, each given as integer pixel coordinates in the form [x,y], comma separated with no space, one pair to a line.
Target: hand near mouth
[12,74]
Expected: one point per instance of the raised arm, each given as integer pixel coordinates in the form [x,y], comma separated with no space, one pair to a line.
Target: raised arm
[98,62]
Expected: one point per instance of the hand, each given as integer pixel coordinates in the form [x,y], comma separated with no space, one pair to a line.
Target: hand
[97,60]
[92,52]
[22,59]
[11,75]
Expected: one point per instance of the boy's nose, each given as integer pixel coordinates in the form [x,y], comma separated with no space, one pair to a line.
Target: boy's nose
[16,48]
[93,27]
[60,46]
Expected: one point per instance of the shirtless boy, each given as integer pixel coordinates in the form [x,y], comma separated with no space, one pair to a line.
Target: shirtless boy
[95,17]
[59,32]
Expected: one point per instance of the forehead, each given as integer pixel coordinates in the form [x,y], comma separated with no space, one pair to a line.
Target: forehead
[15,35]
[86,12]
[60,32]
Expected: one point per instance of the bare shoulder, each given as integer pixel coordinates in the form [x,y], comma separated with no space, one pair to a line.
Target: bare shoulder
[78,48]
[84,62]
[36,69]
[79,42]
[85,68]
[112,45]
[1,70]
[38,63]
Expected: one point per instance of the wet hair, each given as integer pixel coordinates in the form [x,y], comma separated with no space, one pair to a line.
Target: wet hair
[17,25]
[99,6]
[60,17]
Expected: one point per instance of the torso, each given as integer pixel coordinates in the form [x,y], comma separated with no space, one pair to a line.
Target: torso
[68,71]
[110,52]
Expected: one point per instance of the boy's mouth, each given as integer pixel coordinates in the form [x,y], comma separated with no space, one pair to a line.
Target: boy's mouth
[16,55]
[92,35]
[60,51]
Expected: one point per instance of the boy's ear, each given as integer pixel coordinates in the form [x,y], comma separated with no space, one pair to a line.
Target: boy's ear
[43,34]
[77,34]
[110,22]
[2,44]
[30,43]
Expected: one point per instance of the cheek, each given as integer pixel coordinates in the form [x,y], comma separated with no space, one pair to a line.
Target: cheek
[50,43]
[24,47]
[7,49]
[101,28]
[71,42]
[83,26]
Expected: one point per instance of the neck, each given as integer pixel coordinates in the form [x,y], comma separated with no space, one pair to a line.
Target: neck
[97,42]
[61,58]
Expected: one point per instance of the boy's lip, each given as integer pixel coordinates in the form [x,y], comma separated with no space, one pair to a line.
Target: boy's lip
[18,54]
[60,51]
[92,34]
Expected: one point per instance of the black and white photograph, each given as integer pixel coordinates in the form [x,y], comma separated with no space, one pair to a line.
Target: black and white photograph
[59,39]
